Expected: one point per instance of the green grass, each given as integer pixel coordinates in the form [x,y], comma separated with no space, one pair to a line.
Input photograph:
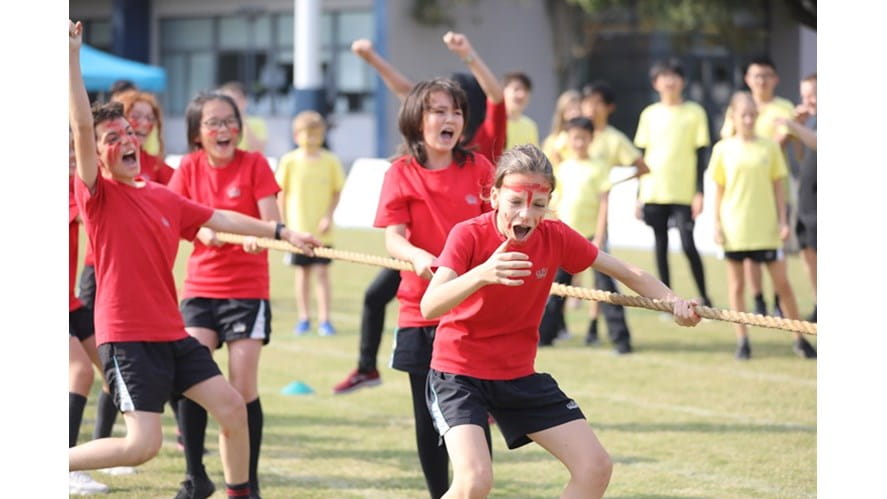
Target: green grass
[680,417]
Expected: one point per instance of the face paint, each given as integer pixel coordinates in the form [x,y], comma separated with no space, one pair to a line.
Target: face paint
[528,189]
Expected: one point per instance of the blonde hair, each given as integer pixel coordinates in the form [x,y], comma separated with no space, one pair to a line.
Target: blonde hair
[563,101]
[129,97]
[307,120]
[525,158]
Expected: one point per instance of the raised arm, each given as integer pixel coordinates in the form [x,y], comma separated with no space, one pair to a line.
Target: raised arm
[459,45]
[394,79]
[80,114]
[806,135]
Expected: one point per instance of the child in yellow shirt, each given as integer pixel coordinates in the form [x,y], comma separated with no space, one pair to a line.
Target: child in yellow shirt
[521,129]
[311,179]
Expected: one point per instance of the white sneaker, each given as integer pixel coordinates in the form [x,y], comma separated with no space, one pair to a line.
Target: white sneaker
[119,470]
[81,484]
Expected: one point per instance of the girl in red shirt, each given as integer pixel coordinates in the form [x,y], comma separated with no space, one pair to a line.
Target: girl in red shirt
[144,115]
[226,291]
[485,347]
[437,184]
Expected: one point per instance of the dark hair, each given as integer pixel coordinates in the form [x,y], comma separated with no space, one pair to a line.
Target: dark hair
[106,112]
[760,60]
[413,109]
[580,122]
[671,65]
[194,113]
[601,88]
[519,77]
[121,86]
[477,103]
[525,158]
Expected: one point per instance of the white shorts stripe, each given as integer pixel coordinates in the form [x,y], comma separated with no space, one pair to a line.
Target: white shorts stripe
[125,402]
[258,332]
[439,422]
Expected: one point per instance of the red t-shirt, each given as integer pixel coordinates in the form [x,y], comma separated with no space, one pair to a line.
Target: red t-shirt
[493,333]
[430,203]
[153,168]
[73,243]
[226,271]
[135,235]
[490,136]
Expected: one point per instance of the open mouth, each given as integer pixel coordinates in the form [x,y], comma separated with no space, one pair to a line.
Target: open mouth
[447,134]
[521,232]
[130,159]
[223,143]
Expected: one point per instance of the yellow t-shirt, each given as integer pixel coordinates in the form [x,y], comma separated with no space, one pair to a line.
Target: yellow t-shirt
[521,131]
[308,186]
[258,127]
[556,144]
[747,171]
[576,199]
[765,125]
[670,136]
[612,147]
[152,143]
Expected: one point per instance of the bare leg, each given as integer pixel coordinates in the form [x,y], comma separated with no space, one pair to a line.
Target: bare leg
[779,274]
[736,289]
[754,275]
[472,465]
[575,444]
[303,275]
[141,443]
[80,373]
[809,255]
[322,292]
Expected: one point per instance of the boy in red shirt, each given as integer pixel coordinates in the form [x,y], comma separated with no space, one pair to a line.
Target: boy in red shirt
[485,346]
[134,227]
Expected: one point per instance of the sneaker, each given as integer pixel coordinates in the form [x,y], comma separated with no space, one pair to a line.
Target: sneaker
[326,329]
[301,327]
[196,488]
[119,470]
[760,305]
[81,484]
[622,348]
[804,349]
[743,351]
[591,338]
[356,380]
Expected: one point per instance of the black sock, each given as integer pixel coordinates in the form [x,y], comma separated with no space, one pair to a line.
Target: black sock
[76,404]
[193,427]
[256,421]
[106,414]
[238,489]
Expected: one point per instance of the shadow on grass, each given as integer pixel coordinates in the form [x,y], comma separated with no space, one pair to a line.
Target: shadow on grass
[705,427]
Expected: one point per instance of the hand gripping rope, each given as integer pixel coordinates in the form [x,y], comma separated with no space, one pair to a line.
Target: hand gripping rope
[792,325]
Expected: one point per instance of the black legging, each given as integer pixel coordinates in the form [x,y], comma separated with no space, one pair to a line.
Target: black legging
[433,454]
[380,292]
[657,217]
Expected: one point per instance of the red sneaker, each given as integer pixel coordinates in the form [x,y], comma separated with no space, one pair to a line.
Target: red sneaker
[356,380]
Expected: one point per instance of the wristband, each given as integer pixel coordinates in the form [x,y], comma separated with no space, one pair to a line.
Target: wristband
[278,229]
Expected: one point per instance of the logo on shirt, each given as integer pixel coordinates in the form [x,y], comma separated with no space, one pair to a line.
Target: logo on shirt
[233,192]
[164,221]
[239,327]
[471,199]
[541,273]
[572,405]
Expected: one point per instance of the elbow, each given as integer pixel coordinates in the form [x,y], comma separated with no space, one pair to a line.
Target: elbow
[428,310]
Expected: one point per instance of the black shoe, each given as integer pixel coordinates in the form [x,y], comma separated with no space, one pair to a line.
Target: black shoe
[760,305]
[743,351]
[196,488]
[622,348]
[804,349]
[812,316]
[591,337]
[777,311]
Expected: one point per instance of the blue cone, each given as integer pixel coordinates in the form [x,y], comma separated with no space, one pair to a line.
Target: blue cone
[297,388]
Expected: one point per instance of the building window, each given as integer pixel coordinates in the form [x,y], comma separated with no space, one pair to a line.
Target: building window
[97,33]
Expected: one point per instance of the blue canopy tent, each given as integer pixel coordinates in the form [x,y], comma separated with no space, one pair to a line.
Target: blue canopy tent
[101,70]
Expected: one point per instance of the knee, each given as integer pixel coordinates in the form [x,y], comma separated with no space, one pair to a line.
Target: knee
[474,482]
[232,413]
[594,472]
[142,448]
[81,374]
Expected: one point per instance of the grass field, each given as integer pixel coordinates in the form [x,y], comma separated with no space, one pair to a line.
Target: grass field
[680,417]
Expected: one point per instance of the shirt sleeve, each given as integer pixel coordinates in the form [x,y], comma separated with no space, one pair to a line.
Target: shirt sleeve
[264,184]
[88,202]
[178,182]
[338,174]
[458,249]
[192,216]
[716,164]
[495,126]
[702,138]
[393,208]
[626,152]
[641,137]
[778,167]
[578,252]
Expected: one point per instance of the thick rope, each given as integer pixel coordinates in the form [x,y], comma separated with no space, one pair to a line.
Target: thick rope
[791,325]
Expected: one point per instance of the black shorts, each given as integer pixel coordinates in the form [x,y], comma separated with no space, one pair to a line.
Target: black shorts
[520,406]
[669,215]
[806,235]
[300,260]
[412,349]
[143,375]
[86,286]
[760,256]
[231,319]
[80,323]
